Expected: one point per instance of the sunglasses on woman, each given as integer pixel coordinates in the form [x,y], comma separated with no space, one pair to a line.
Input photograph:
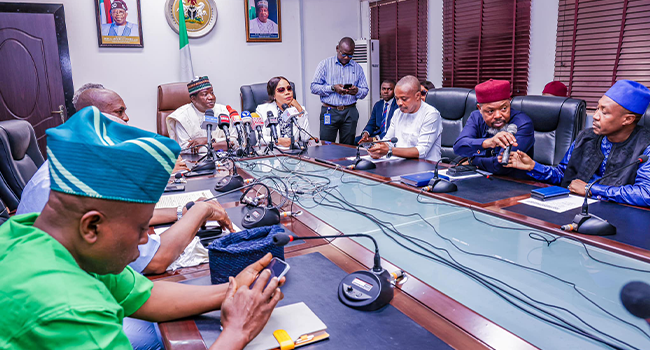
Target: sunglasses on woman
[281,89]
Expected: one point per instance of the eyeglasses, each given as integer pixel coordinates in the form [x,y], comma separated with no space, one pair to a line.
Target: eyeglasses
[281,89]
[345,55]
[424,92]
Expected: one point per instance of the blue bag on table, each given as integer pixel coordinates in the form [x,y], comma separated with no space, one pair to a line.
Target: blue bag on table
[229,255]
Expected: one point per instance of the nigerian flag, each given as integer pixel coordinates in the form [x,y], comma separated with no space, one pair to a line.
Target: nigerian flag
[187,72]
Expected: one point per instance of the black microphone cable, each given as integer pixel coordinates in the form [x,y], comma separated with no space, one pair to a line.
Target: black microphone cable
[473,274]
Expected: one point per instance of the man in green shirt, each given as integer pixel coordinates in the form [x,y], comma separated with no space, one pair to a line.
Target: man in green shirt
[65,281]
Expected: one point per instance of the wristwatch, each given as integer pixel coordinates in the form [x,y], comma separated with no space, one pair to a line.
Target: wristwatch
[332,87]
[390,150]
[179,212]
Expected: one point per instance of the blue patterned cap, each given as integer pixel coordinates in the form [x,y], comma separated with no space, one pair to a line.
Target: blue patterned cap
[92,156]
[631,95]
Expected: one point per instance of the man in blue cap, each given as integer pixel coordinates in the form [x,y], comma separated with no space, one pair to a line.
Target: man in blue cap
[65,281]
[614,141]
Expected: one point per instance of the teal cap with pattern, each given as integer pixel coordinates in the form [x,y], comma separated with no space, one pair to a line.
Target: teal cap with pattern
[90,155]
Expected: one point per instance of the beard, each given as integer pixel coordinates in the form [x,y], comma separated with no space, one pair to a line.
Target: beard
[494,131]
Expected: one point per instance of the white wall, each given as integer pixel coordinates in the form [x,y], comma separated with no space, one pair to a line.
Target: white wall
[434,58]
[223,54]
[543,31]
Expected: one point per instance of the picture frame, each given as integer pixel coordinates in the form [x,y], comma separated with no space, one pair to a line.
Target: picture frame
[119,23]
[263,20]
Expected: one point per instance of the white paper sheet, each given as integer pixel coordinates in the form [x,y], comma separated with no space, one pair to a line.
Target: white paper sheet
[559,205]
[452,178]
[382,159]
[176,200]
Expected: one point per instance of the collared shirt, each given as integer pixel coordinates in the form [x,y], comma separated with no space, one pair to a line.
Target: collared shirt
[331,72]
[36,194]
[49,302]
[636,194]
[421,130]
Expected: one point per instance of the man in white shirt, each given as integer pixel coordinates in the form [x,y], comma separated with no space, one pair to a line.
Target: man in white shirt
[184,124]
[416,125]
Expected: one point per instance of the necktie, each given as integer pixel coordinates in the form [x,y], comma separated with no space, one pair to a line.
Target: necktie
[383,115]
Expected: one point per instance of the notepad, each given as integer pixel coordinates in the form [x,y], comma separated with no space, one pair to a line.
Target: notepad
[176,200]
[297,319]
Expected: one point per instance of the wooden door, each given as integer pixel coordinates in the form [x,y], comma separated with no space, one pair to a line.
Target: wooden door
[35,75]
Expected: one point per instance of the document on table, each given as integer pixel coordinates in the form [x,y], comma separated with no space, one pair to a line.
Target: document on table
[382,159]
[176,200]
[452,178]
[161,229]
[559,205]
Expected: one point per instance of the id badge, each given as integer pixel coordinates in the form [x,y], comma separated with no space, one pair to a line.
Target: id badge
[327,119]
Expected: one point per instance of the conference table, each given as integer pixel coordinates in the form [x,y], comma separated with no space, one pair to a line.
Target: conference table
[482,270]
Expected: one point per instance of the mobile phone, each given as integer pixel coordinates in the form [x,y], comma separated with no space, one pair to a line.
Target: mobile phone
[278,268]
[174,188]
[347,86]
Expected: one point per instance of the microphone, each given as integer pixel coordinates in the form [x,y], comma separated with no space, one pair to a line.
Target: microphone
[592,224]
[511,128]
[247,120]
[438,185]
[271,123]
[364,164]
[224,124]
[209,119]
[362,290]
[258,123]
[635,296]
[235,119]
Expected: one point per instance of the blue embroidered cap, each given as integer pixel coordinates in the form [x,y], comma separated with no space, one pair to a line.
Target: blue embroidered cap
[90,155]
[631,95]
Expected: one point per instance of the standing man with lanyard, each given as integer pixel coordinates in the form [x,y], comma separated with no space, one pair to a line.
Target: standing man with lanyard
[340,82]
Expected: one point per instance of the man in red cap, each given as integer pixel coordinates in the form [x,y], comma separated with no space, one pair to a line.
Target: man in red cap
[555,88]
[493,127]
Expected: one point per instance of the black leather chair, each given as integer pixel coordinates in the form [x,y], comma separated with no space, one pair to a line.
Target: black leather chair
[557,122]
[255,95]
[455,105]
[20,158]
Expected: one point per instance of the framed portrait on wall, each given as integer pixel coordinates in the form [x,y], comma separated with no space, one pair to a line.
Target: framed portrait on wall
[119,23]
[263,22]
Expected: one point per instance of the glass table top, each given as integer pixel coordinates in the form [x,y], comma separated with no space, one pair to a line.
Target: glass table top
[474,258]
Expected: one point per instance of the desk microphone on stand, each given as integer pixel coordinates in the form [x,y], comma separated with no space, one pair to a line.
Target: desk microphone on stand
[364,164]
[231,181]
[439,185]
[207,162]
[362,290]
[591,224]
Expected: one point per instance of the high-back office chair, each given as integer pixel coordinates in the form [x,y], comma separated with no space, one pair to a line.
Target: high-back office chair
[455,105]
[170,97]
[557,122]
[255,94]
[20,158]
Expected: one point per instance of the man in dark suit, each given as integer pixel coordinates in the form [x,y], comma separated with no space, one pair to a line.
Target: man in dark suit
[382,113]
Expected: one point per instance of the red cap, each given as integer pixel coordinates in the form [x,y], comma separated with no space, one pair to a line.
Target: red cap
[492,91]
[555,88]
